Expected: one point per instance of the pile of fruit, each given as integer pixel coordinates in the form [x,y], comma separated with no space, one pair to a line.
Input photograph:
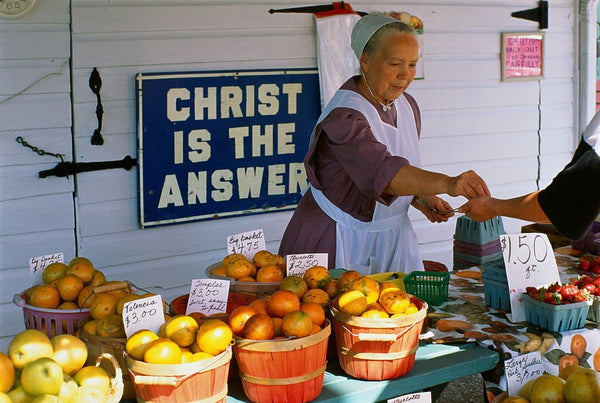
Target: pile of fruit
[592,267]
[265,267]
[181,339]
[557,294]
[591,284]
[573,384]
[39,369]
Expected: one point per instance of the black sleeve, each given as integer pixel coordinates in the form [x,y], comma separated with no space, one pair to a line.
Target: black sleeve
[572,200]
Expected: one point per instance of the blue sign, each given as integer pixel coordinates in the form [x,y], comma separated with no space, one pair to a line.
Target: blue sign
[221,144]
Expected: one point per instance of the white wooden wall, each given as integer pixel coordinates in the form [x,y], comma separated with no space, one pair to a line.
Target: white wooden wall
[471,120]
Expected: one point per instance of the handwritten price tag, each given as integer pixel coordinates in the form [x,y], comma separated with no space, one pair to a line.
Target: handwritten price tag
[208,296]
[521,369]
[421,397]
[246,243]
[143,313]
[39,263]
[298,264]
[529,262]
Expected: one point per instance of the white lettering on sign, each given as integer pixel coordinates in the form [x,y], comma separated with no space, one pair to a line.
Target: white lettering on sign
[233,101]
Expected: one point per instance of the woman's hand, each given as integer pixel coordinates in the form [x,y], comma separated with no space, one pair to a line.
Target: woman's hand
[434,208]
[469,185]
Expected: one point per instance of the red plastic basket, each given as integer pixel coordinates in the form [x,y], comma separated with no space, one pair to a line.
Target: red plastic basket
[50,321]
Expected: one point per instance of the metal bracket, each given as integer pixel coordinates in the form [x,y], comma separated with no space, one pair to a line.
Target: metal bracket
[539,14]
[70,168]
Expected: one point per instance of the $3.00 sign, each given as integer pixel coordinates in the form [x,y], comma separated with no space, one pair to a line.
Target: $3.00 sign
[529,261]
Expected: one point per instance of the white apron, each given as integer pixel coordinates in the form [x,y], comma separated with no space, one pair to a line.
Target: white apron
[388,242]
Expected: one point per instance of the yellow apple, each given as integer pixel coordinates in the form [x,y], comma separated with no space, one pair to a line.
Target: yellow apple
[70,352]
[90,394]
[28,346]
[42,376]
[96,377]
[4,398]
[18,395]
[46,399]
[68,390]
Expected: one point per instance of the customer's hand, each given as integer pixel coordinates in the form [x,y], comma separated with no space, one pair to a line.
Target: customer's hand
[479,208]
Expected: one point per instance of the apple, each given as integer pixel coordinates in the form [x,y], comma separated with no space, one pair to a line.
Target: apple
[18,395]
[70,352]
[42,376]
[68,390]
[28,346]
[45,398]
[90,394]
[4,398]
[93,376]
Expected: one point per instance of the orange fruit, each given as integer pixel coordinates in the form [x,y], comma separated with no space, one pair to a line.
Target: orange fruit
[53,271]
[90,326]
[30,290]
[186,355]
[277,323]
[69,287]
[596,360]
[125,299]
[199,317]
[386,285]
[136,344]
[353,302]
[111,326]
[238,318]
[162,351]
[82,268]
[315,329]
[548,388]
[232,256]
[295,284]
[374,314]
[263,258]
[315,311]
[345,279]
[282,302]
[247,279]
[220,271]
[297,324]
[394,300]
[98,278]
[317,277]
[316,295]
[182,330]
[259,305]
[259,327]
[214,336]
[367,286]
[103,306]
[200,355]
[239,268]
[7,370]
[411,309]
[45,296]
[332,288]
[68,305]
[86,297]
[269,274]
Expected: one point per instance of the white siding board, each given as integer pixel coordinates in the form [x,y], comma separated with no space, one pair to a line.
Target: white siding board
[41,111]
[16,250]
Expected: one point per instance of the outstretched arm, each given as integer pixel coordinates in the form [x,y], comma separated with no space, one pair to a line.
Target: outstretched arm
[525,207]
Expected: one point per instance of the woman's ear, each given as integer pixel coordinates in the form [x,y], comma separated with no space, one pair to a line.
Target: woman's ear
[364,63]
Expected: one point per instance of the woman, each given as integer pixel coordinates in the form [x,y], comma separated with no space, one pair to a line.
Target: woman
[571,202]
[363,160]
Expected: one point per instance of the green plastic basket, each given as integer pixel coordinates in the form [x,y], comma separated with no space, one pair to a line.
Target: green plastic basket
[429,286]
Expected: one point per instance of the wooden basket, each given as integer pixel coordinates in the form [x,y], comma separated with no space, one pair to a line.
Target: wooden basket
[283,370]
[199,381]
[115,391]
[98,346]
[377,349]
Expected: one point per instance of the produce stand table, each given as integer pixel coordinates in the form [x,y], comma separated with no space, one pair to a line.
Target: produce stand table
[434,364]
[491,328]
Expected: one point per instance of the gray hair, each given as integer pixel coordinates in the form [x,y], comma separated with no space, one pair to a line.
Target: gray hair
[374,42]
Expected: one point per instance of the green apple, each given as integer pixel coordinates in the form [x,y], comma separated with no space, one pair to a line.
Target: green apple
[90,394]
[45,398]
[93,376]
[27,346]
[68,390]
[42,376]
[18,395]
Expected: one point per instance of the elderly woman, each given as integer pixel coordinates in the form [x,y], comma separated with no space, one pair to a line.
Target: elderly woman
[362,163]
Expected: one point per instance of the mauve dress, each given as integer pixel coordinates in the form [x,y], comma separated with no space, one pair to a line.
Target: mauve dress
[351,168]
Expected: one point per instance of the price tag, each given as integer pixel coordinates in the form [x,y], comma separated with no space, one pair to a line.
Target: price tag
[521,369]
[208,296]
[298,264]
[420,397]
[39,263]
[529,261]
[143,313]
[246,243]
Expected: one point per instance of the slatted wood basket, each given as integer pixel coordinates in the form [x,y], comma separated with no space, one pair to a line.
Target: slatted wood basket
[284,370]
[199,381]
[377,349]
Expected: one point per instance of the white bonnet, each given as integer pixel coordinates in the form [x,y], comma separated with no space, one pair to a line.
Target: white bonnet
[364,29]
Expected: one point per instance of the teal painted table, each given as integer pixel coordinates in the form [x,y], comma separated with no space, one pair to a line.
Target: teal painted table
[435,364]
